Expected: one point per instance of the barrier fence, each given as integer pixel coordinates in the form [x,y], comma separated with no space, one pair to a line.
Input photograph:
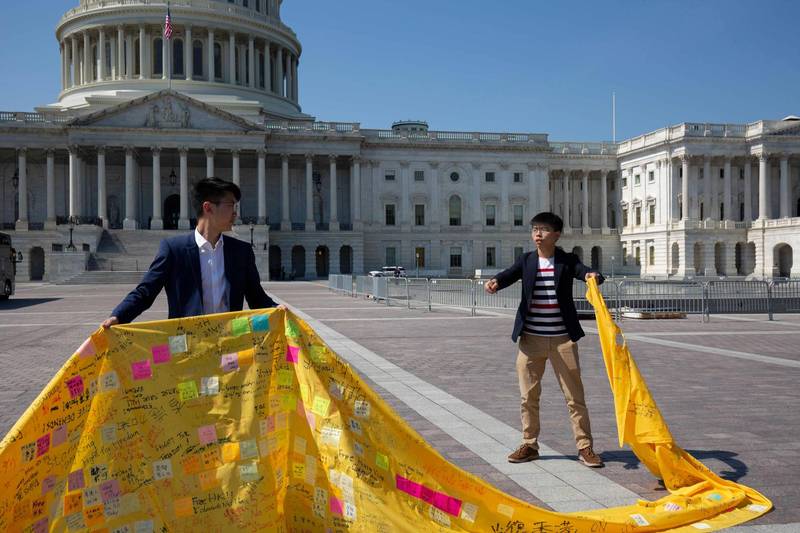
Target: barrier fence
[625,298]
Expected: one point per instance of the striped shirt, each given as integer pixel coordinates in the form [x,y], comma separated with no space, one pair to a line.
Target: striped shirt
[544,314]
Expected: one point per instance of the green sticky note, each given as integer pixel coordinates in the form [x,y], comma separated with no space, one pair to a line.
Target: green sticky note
[320,406]
[382,461]
[285,378]
[240,326]
[292,329]
[288,402]
[187,391]
[318,354]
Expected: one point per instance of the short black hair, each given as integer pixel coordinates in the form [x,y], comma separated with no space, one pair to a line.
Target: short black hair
[551,219]
[213,190]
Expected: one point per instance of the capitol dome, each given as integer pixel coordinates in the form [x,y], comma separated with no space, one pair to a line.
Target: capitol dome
[233,54]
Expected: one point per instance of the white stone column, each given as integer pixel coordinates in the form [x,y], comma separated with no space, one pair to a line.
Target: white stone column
[183,220]
[707,201]
[63,49]
[267,69]
[143,70]
[279,66]
[120,74]
[475,201]
[748,189]
[726,190]
[566,192]
[786,210]
[262,186]
[101,54]
[334,218]
[436,195]
[102,202]
[232,58]
[251,61]
[130,222]
[50,190]
[763,186]
[156,222]
[503,219]
[73,181]
[310,225]
[188,53]
[22,190]
[129,56]
[405,197]
[288,61]
[209,162]
[604,201]
[75,74]
[685,170]
[210,56]
[87,58]
[587,227]
[286,221]
[355,194]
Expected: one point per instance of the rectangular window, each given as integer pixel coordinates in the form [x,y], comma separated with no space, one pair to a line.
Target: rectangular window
[517,177]
[702,211]
[518,216]
[491,259]
[389,209]
[419,256]
[624,256]
[624,182]
[624,218]
[490,177]
[722,173]
[721,211]
[636,179]
[518,251]
[455,257]
[391,256]
[651,176]
[638,257]
[652,259]
[490,215]
[638,216]
[419,175]
[652,213]
[389,175]
[419,214]
[613,185]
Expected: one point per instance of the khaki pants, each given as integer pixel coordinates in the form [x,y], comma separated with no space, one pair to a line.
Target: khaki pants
[534,351]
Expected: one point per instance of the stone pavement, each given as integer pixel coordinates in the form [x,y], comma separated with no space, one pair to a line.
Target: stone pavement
[727,388]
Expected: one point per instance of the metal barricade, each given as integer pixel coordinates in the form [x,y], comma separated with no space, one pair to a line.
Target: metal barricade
[418,293]
[397,289]
[784,296]
[730,297]
[660,299]
[508,298]
[452,293]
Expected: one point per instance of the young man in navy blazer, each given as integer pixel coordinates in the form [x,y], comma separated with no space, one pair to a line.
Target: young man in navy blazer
[203,272]
[548,329]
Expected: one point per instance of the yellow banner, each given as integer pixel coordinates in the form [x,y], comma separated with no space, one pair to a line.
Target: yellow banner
[248,422]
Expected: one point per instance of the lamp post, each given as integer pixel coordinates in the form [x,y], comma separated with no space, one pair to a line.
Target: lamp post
[612,267]
[417,255]
[71,245]
[252,244]
[173,179]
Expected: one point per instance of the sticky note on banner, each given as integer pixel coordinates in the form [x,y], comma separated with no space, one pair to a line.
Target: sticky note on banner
[246,357]
[240,326]
[292,330]
[183,507]
[59,436]
[260,323]
[249,472]
[230,452]
[75,386]
[208,479]
[285,378]
[161,353]
[187,390]
[207,434]
[292,353]
[162,469]
[229,362]
[177,344]
[382,460]
[141,369]
[76,480]
[320,406]
[42,445]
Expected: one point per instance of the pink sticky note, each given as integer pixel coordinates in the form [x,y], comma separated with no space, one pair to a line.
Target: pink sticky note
[207,434]
[110,490]
[48,484]
[446,503]
[87,348]
[336,506]
[270,423]
[161,353]
[141,369]
[311,419]
[426,494]
[42,445]
[75,386]
[229,362]
[59,436]
[75,480]
[292,353]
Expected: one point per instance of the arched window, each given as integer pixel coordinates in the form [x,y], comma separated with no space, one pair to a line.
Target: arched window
[197,59]
[218,61]
[261,77]
[177,58]
[455,211]
[158,57]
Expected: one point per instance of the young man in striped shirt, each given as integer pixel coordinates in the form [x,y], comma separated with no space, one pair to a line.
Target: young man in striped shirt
[548,329]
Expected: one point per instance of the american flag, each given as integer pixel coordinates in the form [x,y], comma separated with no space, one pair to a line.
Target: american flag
[168,26]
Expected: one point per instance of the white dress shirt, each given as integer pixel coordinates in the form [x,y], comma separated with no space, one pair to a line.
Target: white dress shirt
[212,272]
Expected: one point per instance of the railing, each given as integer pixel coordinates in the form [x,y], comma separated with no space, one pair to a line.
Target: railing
[33,118]
[539,139]
[588,148]
[625,298]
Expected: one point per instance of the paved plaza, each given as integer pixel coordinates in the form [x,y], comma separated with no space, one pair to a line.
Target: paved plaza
[727,388]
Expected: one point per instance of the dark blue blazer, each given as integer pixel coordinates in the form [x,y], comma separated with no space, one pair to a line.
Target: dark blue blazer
[567,267]
[176,268]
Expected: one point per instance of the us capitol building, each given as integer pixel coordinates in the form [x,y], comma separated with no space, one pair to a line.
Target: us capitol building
[108,167]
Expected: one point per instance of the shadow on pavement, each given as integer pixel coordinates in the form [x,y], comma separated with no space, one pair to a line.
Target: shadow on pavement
[20,303]
[737,469]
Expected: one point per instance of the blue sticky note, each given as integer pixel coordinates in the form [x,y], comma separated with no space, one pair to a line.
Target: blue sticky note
[260,323]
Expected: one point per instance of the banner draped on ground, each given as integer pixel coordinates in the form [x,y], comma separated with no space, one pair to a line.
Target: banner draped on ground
[249,422]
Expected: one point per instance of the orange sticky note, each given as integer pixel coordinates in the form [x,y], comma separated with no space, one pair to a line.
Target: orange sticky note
[191,464]
[208,479]
[246,357]
[73,503]
[93,516]
[183,507]
[210,459]
[230,452]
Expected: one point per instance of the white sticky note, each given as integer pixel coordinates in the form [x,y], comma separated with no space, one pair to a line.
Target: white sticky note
[701,525]
[469,512]
[640,520]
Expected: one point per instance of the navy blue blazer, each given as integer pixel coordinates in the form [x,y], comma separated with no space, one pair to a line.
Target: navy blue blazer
[567,267]
[176,268]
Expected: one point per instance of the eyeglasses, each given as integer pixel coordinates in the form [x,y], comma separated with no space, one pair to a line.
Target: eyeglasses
[542,230]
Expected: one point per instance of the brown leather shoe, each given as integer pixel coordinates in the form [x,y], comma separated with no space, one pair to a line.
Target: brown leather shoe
[523,454]
[589,458]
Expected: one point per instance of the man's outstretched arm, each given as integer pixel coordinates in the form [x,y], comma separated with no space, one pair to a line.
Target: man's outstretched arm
[254,293]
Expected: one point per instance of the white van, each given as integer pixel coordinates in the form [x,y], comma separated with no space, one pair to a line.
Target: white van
[8,266]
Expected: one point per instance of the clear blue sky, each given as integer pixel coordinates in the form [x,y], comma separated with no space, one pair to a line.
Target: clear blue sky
[510,65]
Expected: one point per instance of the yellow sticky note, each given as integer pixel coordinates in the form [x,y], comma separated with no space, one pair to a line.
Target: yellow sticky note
[382,461]
[321,405]
[230,452]
[304,392]
[246,357]
[285,378]
[183,507]
[298,470]
[288,402]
